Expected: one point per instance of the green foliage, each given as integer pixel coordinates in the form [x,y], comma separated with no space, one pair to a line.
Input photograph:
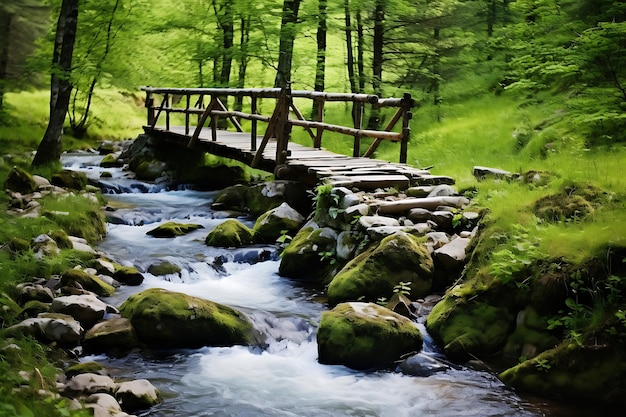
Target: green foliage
[519,252]
[403,288]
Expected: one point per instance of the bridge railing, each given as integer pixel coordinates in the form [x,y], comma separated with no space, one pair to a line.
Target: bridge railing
[202,105]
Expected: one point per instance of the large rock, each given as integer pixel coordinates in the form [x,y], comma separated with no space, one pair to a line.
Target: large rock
[273,223]
[365,335]
[87,309]
[49,327]
[468,329]
[74,180]
[128,275]
[374,273]
[165,319]
[136,395]
[230,234]
[117,334]
[260,198]
[303,257]
[88,383]
[20,180]
[173,229]
[81,279]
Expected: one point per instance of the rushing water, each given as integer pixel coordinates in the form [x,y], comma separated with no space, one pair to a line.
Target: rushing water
[283,378]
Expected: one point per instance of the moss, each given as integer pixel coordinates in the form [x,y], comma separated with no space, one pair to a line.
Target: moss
[17,245]
[365,335]
[173,229]
[230,233]
[571,371]
[468,330]
[20,180]
[302,259]
[270,225]
[170,319]
[34,307]
[9,310]
[374,273]
[74,180]
[109,161]
[573,202]
[127,275]
[85,368]
[87,281]
[164,268]
[62,239]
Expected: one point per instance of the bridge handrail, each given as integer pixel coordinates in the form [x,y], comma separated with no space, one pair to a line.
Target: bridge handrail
[279,123]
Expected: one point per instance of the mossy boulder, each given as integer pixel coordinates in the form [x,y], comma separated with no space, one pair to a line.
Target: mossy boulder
[18,245]
[74,277]
[19,180]
[62,239]
[304,257]
[374,273]
[74,180]
[150,170]
[271,225]
[574,201]
[166,319]
[365,335]
[173,229]
[116,334]
[260,198]
[588,373]
[164,268]
[230,234]
[468,329]
[128,275]
[110,161]
[34,307]
[85,368]
[530,337]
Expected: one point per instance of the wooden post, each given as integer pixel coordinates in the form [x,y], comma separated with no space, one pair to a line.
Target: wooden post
[320,130]
[253,110]
[407,103]
[187,99]
[150,106]
[283,128]
[358,124]
[167,103]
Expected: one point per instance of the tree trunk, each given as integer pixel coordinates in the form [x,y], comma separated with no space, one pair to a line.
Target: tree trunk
[5,32]
[359,49]
[244,40]
[320,69]
[50,148]
[350,56]
[377,60]
[287,36]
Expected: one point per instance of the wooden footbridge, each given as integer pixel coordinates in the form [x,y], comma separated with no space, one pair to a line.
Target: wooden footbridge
[199,118]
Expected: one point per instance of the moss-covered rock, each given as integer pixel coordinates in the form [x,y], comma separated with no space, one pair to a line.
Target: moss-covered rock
[74,180]
[468,329]
[18,245]
[164,268]
[151,170]
[304,257]
[173,229]
[62,239]
[33,307]
[365,335]
[85,368]
[87,281]
[230,234]
[128,275]
[575,201]
[374,273]
[20,180]
[271,225]
[166,319]
[110,161]
[116,334]
[572,371]
[530,336]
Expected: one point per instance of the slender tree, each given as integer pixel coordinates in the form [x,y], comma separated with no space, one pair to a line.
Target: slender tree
[320,68]
[50,147]
[289,20]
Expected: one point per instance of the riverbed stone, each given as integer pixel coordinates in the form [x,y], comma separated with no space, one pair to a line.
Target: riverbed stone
[467,330]
[173,229]
[128,275]
[422,365]
[89,383]
[374,273]
[61,329]
[81,279]
[20,180]
[34,292]
[74,180]
[451,256]
[230,233]
[43,245]
[303,258]
[137,395]
[163,268]
[167,319]
[116,334]
[365,335]
[272,224]
[87,309]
